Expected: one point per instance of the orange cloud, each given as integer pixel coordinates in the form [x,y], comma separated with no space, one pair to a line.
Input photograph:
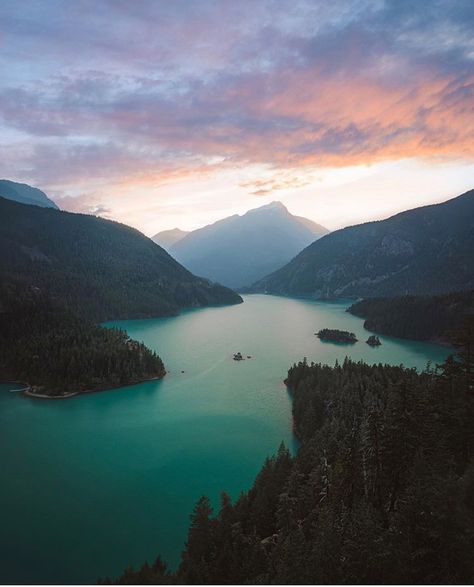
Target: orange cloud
[279,181]
[91,114]
[345,122]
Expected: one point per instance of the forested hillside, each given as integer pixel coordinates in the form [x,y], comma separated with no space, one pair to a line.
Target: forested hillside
[59,274]
[416,317]
[57,353]
[427,250]
[381,491]
[96,268]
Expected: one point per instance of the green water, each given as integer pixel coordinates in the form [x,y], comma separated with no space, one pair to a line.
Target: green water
[94,483]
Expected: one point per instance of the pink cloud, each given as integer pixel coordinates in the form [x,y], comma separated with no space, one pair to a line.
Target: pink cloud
[172,86]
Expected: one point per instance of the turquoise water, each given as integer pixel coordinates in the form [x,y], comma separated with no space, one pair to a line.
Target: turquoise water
[92,484]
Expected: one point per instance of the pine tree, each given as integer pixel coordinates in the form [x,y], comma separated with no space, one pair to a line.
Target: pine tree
[200,545]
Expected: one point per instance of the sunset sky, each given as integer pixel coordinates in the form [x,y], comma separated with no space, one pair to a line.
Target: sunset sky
[177,113]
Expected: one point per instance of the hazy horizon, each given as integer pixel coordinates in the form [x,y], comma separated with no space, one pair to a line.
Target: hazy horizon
[428,203]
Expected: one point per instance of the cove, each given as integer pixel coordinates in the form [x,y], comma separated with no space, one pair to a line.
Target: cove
[92,484]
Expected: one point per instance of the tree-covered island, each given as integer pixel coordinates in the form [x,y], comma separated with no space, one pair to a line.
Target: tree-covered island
[333,335]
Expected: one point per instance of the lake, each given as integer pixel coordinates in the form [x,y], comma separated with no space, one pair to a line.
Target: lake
[97,482]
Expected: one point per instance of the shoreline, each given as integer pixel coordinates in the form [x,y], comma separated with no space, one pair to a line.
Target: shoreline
[28,393]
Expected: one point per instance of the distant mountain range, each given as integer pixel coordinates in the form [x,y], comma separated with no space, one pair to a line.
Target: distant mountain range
[94,268]
[25,194]
[238,250]
[428,250]
[167,238]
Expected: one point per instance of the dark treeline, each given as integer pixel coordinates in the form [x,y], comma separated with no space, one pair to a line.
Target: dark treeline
[55,352]
[416,317]
[381,491]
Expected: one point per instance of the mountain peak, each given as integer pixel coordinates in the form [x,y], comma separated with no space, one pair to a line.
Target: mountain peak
[272,206]
[426,250]
[277,205]
[238,249]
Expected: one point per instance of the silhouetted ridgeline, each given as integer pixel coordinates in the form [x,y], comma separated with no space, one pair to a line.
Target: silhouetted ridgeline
[416,317]
[422,251]
[381,491]
[97,268]
[25,194]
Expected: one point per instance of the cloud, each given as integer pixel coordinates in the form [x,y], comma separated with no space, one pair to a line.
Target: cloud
[103,96]
[306,118]
[101,211]
[278,181]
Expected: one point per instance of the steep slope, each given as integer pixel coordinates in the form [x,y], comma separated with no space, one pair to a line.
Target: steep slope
[167,238]
[427,250]
[25,194]
[238,250]
[95,268]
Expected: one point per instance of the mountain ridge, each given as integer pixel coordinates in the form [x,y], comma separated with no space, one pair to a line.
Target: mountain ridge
[236,250]
[25,194]
[424,250]
[99,268]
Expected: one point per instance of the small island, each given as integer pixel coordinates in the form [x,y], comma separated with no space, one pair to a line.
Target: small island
[238,357]
[373,340]
[330,335]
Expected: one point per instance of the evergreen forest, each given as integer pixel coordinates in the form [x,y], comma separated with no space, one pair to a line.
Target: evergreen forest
[381,490]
